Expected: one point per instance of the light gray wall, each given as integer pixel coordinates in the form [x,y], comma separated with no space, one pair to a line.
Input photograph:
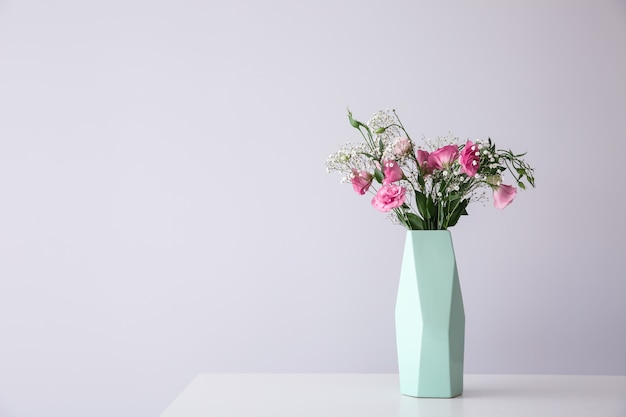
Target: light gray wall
[165,211]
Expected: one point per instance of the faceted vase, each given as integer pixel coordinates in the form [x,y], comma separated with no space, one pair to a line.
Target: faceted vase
[430,320]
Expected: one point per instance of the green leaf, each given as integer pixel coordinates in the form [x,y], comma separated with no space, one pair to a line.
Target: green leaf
[420,180]
[457,213]
[454,198]
[422,205]
[432,209]
[521,185]
[452,207]
[440,217]
[378,174]
[354,123]
[416,222]
[380,130]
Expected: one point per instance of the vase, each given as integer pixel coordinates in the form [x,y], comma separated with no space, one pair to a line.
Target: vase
[430,320]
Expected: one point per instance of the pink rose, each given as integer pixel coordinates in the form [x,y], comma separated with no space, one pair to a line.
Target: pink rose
[443,157]
[503,195]
[389,197]
[402,147]
[392,172]
[470,159]
[361,181]
[422,161]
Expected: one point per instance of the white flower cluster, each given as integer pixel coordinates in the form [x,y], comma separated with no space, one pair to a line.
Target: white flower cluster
[441,141]
[349,156]
[386,120]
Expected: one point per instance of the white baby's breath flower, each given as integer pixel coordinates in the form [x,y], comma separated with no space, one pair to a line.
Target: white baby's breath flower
[384,128]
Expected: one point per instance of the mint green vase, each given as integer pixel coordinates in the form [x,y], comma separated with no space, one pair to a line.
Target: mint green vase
[430,321]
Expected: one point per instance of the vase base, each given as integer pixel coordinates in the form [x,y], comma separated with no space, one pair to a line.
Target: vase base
[445,396]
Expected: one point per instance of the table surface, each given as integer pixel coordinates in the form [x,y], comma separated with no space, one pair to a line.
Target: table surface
[369,395]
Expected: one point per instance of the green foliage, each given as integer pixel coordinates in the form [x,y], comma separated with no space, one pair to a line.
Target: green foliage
[422,205]
[416,222]
[378,174]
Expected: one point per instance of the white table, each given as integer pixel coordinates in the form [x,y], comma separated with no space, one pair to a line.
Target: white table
[378,395]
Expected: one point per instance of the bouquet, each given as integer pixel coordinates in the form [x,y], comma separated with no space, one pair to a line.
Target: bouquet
[426,187]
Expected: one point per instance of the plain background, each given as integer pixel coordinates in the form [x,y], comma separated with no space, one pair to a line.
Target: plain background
[165,210]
